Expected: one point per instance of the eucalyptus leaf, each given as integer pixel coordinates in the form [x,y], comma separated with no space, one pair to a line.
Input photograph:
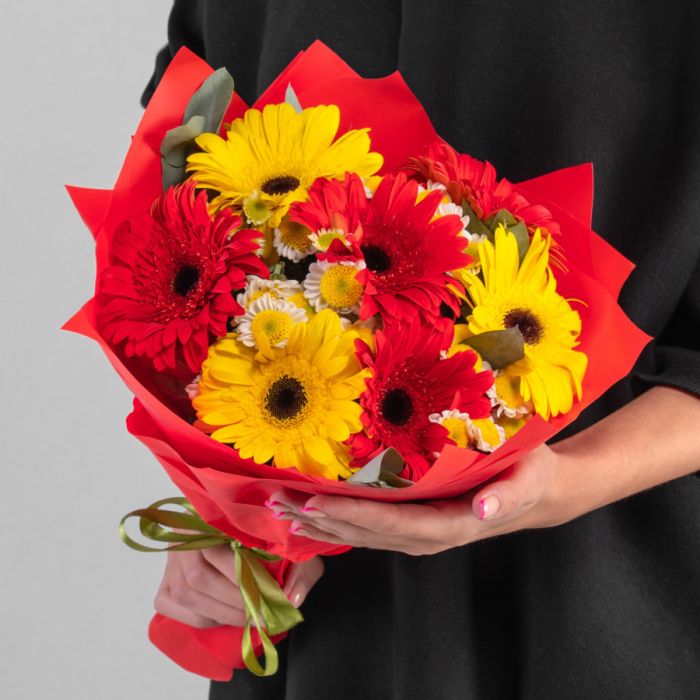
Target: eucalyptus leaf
[522,236]
[513,225]
[502,216]
[177,144]
[498,348]
[211,100]
[381,471]
[204,113]
[476,225]
[393,481]
[290,97]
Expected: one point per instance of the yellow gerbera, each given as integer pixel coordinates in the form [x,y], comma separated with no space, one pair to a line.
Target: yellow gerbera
[293,405]
[274,156]
[523,294]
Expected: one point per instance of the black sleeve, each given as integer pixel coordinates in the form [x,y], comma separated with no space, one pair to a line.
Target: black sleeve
[673,358]
[184,29]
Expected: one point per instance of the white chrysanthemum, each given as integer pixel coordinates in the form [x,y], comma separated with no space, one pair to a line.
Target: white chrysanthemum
[321,240]
[268,317]
[481,434]
[255,287]
[333,285]
[292,241]
[256,209]
[505,396]
[446,206]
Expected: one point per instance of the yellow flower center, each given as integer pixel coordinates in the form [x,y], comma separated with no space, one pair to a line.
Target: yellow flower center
[298,299]
[256,209]
[457,431]
[339,288]
[489,431]
[261,292]
[294,235]
[275,325]
[508,390]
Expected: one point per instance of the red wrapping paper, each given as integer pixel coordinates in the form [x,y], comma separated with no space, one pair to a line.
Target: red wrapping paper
[229,492]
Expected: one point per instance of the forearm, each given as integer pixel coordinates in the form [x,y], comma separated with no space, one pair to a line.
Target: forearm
[651,440]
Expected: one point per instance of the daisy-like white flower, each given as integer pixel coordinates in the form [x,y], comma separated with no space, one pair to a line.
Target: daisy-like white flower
[505,394]
[256,209]
[291,240]
[268,322]
[481,434]
[255,287]
[334,285]
[446,206]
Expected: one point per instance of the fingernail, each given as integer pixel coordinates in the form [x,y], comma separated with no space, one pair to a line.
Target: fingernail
[296,596]
[488,507]
[313,512]
[298,530]
[271,502]
[280,514]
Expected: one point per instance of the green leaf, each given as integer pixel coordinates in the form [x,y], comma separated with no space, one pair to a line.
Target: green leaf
[204,113]
[177,144]
[513,225]
[211,100]
[290,97]
[382,471]
[476,225]
[522,236]
[502,216]
[498,348]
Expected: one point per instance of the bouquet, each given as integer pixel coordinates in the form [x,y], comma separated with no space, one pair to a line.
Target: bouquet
[319,294]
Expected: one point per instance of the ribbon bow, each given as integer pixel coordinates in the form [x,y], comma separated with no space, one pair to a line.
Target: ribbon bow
[265,604]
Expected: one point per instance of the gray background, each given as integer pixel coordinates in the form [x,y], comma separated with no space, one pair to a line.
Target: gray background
[74,601]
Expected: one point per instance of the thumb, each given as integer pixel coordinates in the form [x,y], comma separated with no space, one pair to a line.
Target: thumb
[301,579]
[517,490]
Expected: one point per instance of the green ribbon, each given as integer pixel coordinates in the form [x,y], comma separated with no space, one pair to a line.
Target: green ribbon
[266,606]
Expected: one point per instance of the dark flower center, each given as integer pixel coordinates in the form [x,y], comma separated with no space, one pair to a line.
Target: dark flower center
[186,278]
[280,185]
[446,311]
[528,324]
[376,258]
[397,407]
[285,398]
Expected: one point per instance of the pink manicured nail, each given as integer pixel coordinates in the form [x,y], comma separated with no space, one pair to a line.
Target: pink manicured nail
[488,507]
[313,512]
[279,514]
[271,502]
[298,530]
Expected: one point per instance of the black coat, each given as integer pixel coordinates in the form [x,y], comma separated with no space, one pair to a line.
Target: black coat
[607,606]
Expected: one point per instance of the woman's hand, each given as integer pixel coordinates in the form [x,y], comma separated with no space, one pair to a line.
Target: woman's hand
[524,496]
[651,440]
[199,587]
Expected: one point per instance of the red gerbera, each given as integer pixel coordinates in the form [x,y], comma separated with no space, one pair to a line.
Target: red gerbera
[467,178]
[407,252]
[169,286]
[409,382]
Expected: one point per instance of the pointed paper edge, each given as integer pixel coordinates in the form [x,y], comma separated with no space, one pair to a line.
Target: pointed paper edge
[571,188]
[92,205]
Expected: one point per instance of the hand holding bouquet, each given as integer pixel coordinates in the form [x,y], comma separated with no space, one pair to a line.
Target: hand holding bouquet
[318,294]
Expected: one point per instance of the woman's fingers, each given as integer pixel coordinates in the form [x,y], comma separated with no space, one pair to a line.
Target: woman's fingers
[201,576]
[301,578]
[187,591]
